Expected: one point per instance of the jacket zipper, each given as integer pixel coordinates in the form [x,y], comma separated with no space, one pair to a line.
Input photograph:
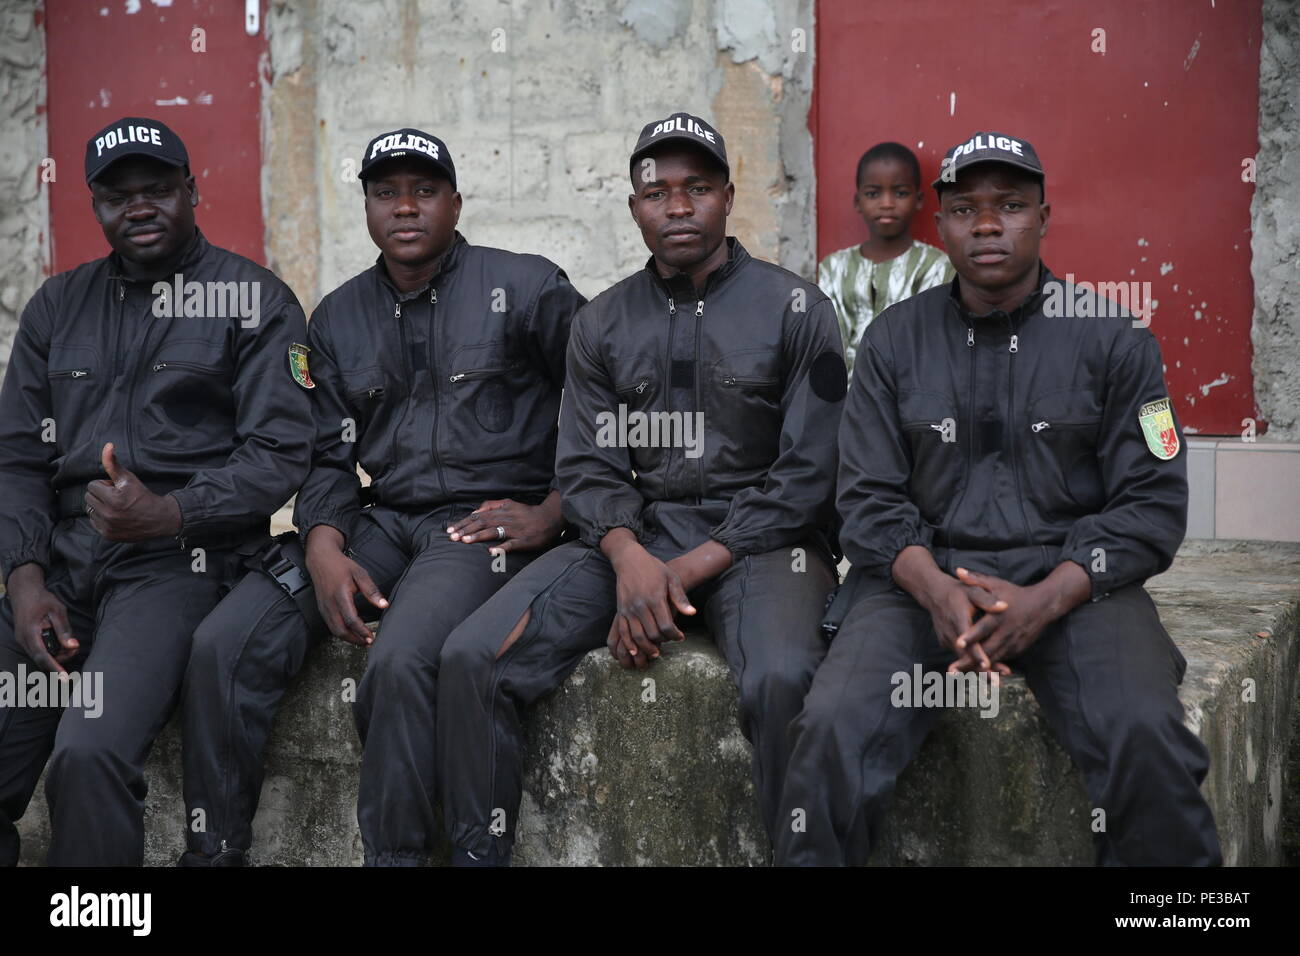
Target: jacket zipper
[1070,423]
[187,365]
[668,390]
[1012,349]
[433,377]
[410,373]
[699,330]
[127,458]
[69,373]
[970,437]
[477,373]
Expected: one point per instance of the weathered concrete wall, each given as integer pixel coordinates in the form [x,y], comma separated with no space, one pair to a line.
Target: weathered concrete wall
[24,207]
[615,774]
[1275,224]
[541,117]
[540,104]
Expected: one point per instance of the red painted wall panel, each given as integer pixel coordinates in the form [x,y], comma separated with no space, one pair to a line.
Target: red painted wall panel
[105,62]
[1143,147]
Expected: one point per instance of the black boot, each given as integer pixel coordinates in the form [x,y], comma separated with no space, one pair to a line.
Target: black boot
[230,856]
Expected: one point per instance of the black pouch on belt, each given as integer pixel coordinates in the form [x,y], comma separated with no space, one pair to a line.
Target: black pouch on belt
[858,585]
[286,562]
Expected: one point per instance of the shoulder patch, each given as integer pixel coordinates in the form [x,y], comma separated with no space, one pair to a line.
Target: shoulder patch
[298,365]
[829,377]
[1157,421]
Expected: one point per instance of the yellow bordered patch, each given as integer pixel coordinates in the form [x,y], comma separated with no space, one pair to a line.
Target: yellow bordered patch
[1157,420]
[298,365]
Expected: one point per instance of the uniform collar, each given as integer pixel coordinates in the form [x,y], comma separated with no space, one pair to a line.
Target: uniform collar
[680,287]
[1016,316]
[193,252]
[446,263]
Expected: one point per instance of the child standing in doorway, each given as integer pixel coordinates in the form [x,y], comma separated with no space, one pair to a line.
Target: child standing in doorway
[889,266]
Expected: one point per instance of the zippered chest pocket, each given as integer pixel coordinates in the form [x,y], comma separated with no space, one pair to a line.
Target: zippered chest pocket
[1061,433]
[180,356]
[744,403]
[933,441]
[638,390]
[188,381]
[1065,409]
[71,364]
[364,385]
[754,370]
[365,391]
[484,381]
[76,382]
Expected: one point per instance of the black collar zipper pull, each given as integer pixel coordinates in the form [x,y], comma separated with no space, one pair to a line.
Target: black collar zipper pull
[672,306]
[433,296]
[397,310]
[1015,343]
[699,307]
[970,338]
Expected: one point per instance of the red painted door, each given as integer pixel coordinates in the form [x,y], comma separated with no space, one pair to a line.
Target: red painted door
[1143,146]
[112,58]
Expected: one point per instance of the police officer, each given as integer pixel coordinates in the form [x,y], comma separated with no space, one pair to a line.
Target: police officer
[440,370]
[727,513]
[150,424]
[1011,472]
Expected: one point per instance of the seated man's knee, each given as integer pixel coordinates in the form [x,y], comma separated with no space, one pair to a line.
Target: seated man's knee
[819,723]
[81,760]
[1144,730]
[395,665]
[775,689]
[212,639]
[467,652]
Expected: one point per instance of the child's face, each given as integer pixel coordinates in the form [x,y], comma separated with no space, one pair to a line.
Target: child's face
[887,198]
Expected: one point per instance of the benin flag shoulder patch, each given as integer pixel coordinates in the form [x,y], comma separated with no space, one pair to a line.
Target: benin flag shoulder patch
[298,365]
[1157,419]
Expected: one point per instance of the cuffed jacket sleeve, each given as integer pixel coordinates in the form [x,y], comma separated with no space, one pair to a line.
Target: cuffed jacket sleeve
[28,509]
[1145,518]
[879,517]
[273,428]
[331,495]
[797,498]
[595,482]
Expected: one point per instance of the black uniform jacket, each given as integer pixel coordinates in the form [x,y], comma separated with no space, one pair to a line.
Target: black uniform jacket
[759,356]
[1017,437]
[447,394]
[203,406]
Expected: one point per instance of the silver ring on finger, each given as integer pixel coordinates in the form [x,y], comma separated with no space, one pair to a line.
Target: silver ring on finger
[501,533]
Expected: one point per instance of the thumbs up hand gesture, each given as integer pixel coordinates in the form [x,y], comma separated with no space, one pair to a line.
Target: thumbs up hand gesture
[123,509]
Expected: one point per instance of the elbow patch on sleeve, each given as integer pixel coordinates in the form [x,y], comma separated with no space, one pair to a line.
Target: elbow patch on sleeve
[829,377]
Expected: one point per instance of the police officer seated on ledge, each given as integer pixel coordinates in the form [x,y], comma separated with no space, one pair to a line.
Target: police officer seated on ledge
[439,369]
[1009,478]
[144,445]
[729,516]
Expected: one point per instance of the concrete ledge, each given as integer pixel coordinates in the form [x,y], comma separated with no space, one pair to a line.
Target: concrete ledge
[621,771]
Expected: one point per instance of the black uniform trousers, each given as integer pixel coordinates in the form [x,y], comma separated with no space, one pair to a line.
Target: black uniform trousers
[133,606]
[763,612]
[249,649]
[1106,676]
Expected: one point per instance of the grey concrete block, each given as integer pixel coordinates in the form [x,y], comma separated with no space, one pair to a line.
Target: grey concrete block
[620,771]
